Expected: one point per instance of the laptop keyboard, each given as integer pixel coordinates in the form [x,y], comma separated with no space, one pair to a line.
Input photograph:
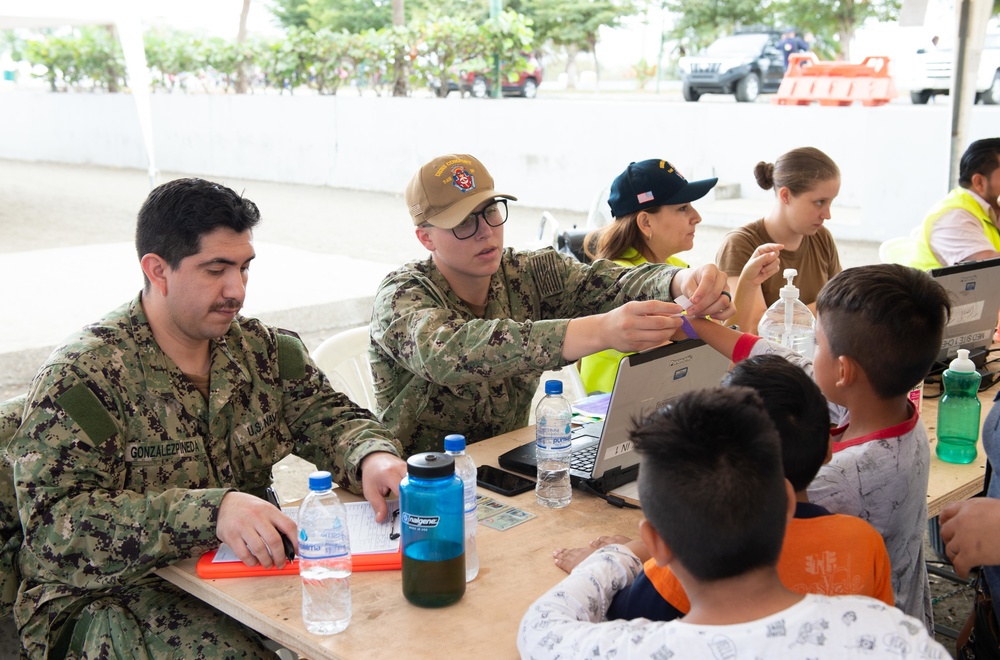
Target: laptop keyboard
[584,459]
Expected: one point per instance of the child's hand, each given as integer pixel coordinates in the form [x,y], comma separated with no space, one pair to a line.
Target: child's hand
[602,541]
[569,558]
[763,263]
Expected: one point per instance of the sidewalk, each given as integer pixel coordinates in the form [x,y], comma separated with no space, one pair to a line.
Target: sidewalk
[67,255]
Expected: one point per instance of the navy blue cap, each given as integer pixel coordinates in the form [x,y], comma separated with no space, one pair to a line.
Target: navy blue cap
[653,182]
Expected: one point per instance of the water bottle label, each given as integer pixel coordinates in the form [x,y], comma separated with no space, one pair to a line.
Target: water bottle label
[553,437]
[420,522]
[328,543]
[553,442]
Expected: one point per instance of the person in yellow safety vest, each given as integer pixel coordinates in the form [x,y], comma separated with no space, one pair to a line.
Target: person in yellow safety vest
[654,219]
[964,225]
[651,202]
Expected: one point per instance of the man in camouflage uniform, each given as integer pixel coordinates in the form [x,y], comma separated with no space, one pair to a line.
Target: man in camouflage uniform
[459,340]
[147,437]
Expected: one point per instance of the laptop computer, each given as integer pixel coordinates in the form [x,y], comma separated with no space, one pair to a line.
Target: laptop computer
[603,456]
[974,291]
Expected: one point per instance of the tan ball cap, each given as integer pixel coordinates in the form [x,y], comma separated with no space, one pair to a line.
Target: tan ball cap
[447,189]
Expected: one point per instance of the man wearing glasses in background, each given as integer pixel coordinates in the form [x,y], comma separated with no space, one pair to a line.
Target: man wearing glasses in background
[459,340]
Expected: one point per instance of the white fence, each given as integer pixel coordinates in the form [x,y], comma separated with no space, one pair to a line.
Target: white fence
[549,153]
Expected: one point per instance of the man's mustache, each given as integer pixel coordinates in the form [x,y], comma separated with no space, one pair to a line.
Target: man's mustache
[228,305]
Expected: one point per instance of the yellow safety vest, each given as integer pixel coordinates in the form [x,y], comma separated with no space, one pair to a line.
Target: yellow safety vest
[959,198]
[599,371]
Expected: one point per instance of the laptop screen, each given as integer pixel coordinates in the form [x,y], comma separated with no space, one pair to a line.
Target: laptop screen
[974,291]
[645,382]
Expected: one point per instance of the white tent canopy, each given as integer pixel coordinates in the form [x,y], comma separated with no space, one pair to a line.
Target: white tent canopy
[121,14]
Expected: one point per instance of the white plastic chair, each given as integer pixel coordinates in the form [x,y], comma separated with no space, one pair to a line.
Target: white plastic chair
[572,387]
[600,213]
[344,359]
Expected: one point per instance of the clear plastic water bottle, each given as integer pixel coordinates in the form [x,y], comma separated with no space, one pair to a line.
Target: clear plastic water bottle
[465,469]
[553,446]
[324,558]
[432,508]
[958,411]
[788,321]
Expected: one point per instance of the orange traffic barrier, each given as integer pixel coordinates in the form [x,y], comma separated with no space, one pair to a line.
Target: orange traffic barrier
[809,80]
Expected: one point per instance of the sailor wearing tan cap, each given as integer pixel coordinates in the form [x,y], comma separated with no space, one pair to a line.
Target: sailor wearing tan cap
[460,339]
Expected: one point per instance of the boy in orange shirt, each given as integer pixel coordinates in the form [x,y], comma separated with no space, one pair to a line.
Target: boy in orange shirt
[822,553]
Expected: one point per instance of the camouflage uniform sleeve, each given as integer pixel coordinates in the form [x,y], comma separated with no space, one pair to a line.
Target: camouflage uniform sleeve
[329,429]
[415,323]
[81,527]
[604,285]
[441,345]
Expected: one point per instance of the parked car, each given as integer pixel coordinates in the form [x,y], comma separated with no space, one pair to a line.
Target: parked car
[934,73]
[478,83]
[744,64]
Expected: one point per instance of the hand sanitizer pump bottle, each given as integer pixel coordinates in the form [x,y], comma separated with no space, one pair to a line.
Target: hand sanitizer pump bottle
[788,321]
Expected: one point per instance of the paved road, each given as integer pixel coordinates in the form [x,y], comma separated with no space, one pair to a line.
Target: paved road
[66,254]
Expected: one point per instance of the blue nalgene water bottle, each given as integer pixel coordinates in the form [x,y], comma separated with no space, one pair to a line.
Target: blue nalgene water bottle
[431,504]
[958,411]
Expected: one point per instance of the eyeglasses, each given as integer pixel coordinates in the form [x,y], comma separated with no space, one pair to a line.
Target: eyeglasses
[494,215]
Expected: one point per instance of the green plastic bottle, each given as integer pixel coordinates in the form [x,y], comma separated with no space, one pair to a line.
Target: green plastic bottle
[958,411]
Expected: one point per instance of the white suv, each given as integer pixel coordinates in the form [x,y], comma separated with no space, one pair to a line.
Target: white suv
[934,73]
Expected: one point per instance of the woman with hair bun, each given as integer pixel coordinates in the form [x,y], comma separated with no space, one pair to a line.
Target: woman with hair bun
[805,183]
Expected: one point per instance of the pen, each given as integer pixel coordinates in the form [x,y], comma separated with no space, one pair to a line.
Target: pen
[272,497]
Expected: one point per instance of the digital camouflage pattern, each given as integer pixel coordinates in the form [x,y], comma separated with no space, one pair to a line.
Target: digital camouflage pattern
[440,369]
[120,463]
[10,525]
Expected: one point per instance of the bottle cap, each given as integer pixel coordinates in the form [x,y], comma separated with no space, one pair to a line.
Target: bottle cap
[430,465]
[454,442]
[320,480]
[789,290]
[553,387]
[962,363]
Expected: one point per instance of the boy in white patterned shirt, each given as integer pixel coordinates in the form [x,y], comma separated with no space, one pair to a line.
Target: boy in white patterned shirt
[878,331]
[716,505]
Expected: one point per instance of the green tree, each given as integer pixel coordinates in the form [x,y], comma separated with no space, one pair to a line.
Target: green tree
[173,58]
[700,22]
[834,22]
[377,53]
[354,16]
[508,36]
[442,44]
[573,25]
[87,57]
[332,60]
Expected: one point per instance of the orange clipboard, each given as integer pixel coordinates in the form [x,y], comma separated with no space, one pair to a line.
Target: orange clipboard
[209,570]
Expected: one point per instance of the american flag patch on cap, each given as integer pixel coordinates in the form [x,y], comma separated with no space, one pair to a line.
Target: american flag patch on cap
[645,197]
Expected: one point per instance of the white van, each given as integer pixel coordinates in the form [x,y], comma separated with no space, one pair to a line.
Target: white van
[934,73]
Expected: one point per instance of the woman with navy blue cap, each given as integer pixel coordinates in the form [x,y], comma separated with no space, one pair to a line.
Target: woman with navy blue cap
[654,221]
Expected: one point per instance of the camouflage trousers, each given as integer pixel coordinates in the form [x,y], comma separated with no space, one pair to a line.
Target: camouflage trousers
[153,620]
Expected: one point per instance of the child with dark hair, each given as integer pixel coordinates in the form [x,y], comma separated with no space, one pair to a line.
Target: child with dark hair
[823,553]
[716,506]
[878,330]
